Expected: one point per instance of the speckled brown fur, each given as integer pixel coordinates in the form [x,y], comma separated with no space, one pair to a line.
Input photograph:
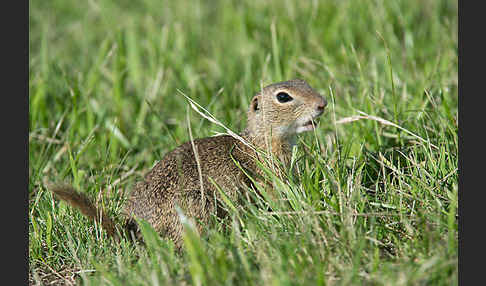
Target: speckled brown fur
[174,181]
[272,127]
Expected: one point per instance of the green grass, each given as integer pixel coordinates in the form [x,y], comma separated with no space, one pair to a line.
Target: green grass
[374,203]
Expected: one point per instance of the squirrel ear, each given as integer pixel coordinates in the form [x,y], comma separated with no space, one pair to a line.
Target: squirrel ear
[254,103]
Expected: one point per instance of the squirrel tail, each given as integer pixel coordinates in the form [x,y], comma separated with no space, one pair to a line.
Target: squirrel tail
[84,204]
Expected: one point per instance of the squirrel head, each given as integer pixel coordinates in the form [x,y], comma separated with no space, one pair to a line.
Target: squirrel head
[284,109]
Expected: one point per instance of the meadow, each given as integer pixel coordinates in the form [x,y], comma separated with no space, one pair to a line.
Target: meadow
[375,198]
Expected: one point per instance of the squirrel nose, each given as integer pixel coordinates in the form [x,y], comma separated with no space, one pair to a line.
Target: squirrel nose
[322,105]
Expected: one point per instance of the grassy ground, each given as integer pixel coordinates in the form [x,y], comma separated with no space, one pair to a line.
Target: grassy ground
[376,199]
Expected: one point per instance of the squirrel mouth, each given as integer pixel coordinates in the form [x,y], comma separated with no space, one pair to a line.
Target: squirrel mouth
[312,123]
[309,125]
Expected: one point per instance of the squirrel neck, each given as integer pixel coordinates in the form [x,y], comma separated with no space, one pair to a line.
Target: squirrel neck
[278,146]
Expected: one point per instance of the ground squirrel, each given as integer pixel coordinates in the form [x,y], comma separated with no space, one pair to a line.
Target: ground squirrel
[276,115]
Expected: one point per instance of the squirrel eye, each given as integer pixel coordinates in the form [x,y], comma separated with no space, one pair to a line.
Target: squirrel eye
[284,97]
